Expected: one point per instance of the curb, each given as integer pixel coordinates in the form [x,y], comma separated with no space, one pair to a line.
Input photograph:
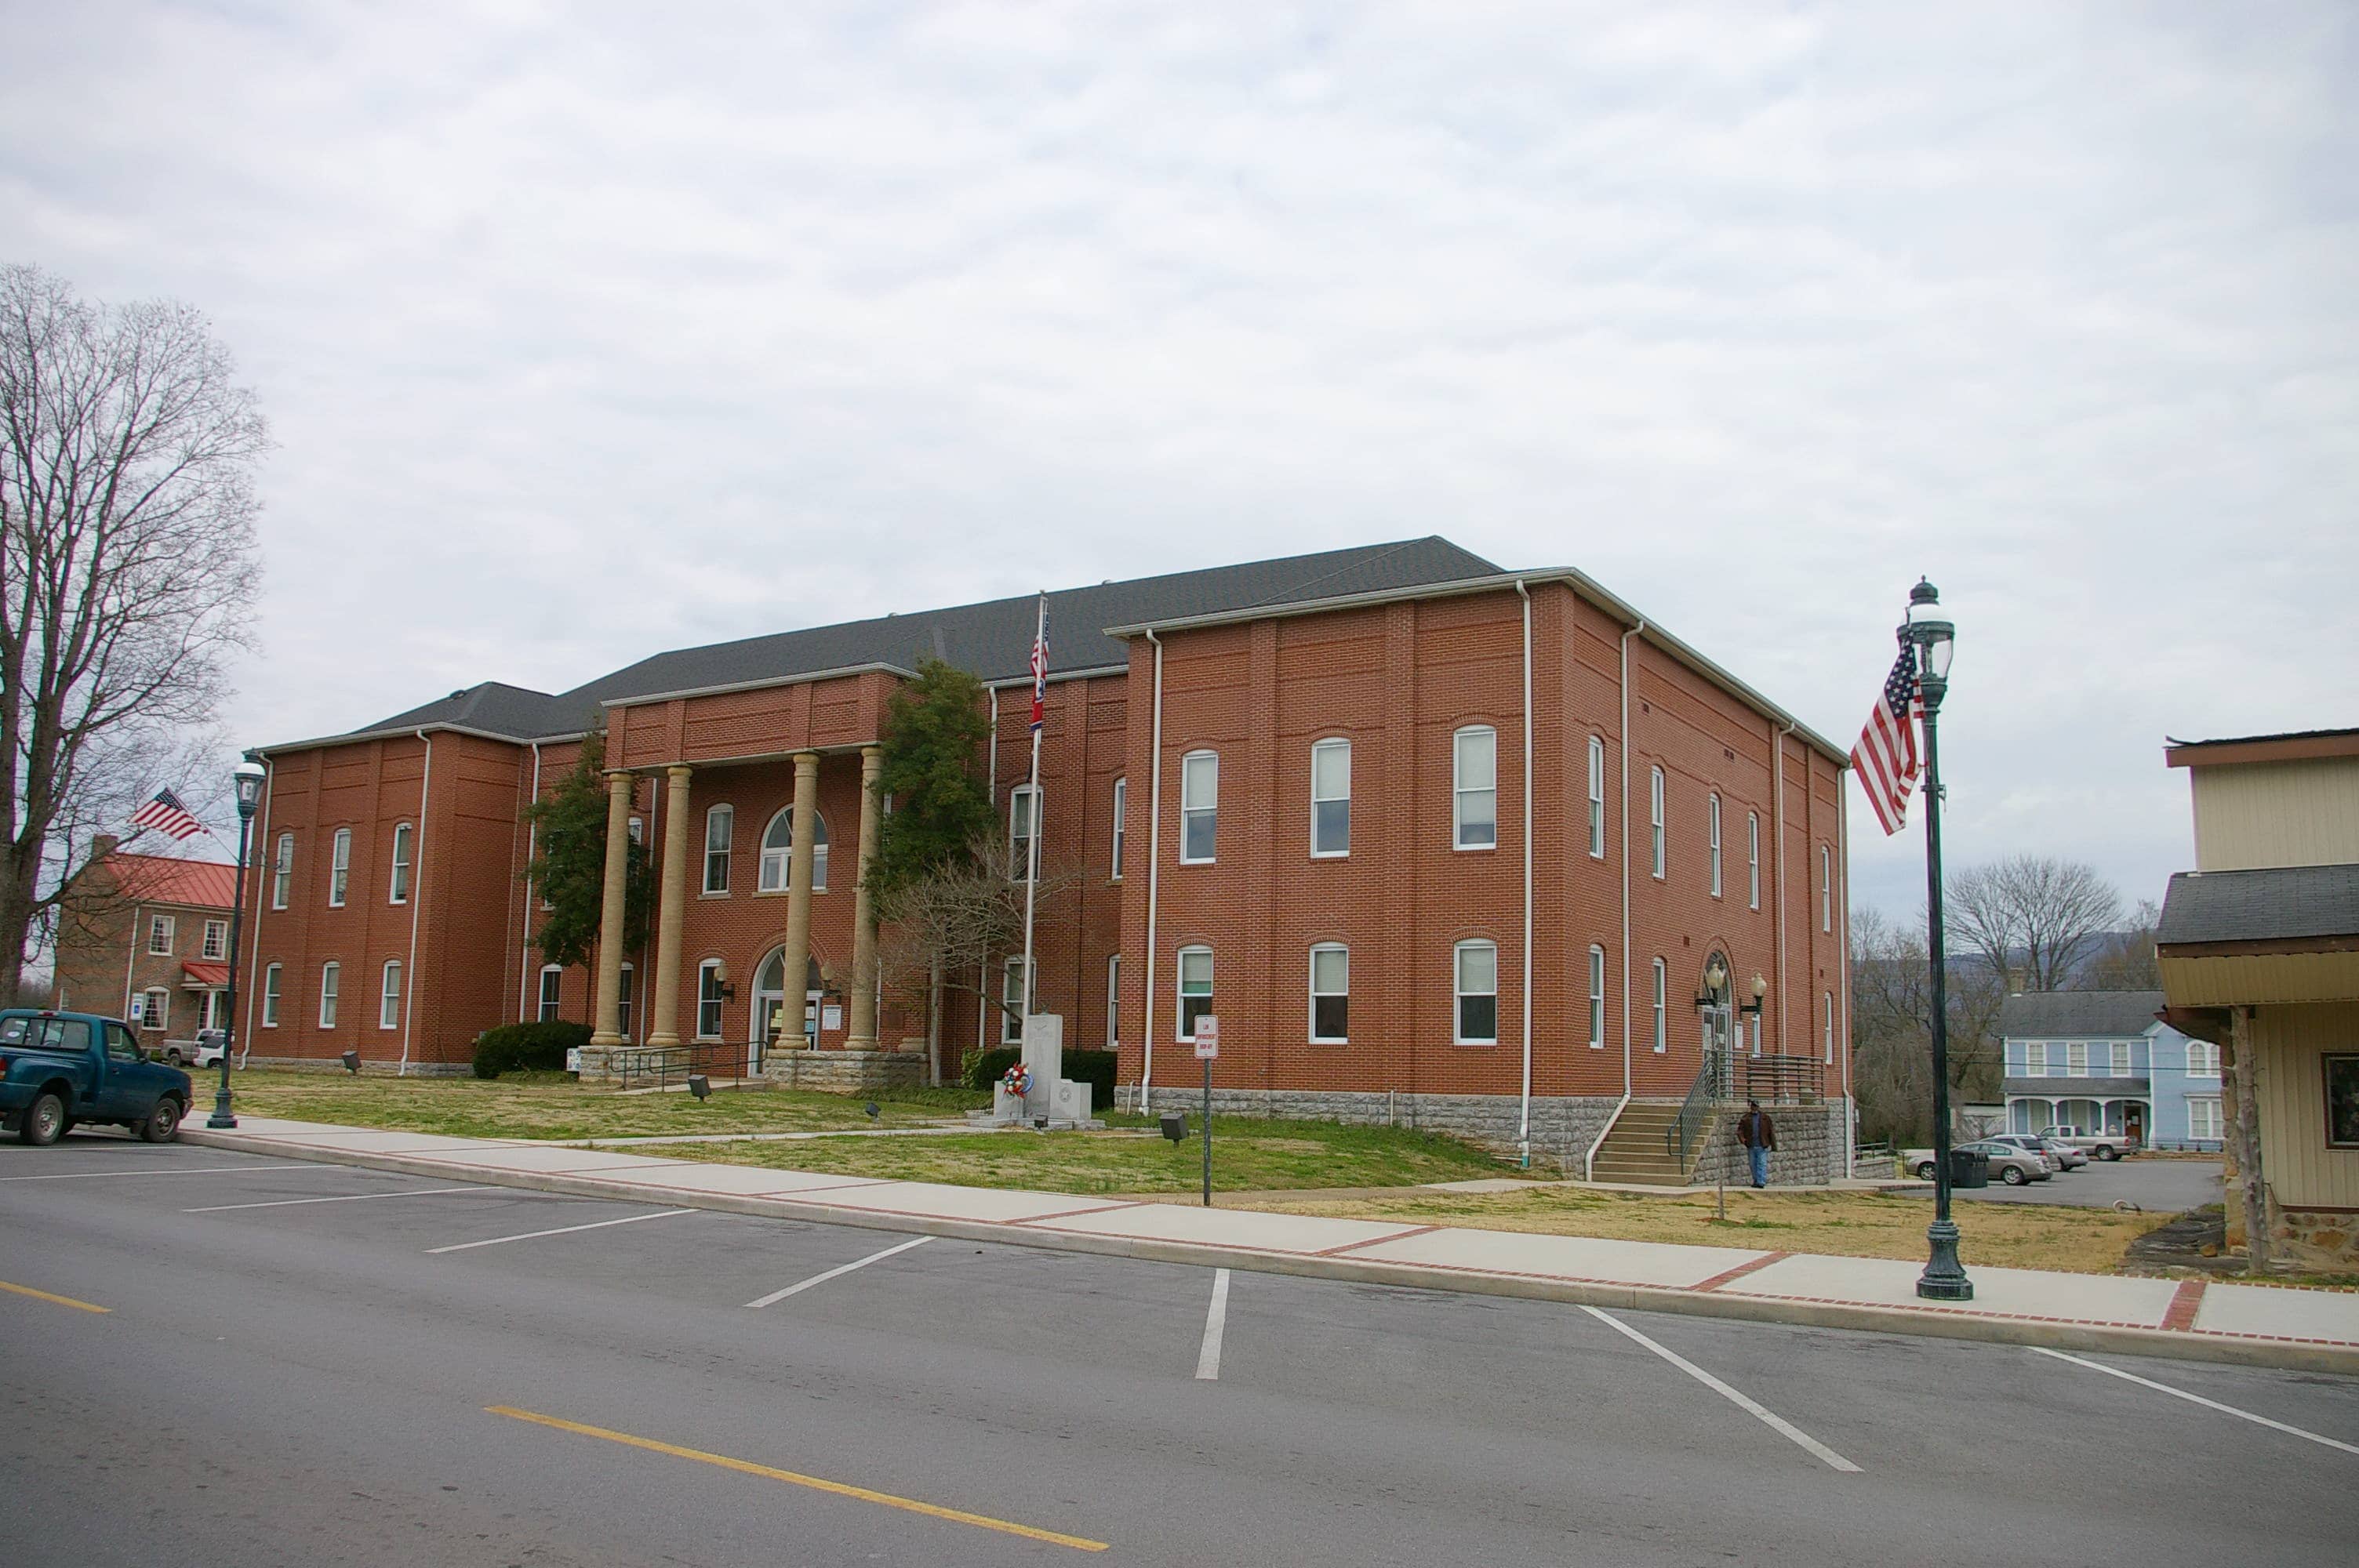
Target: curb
[2119,1339]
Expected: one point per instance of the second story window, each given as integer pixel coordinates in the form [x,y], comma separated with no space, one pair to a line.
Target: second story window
[216,939]
[2203,1059]
[282,871]
[401,834]
[1330,797]
[1121,811]
[720,825]
[779,852]
[1655,817]
[1826,887]
[1199,809]
[388,1006]
[1711,825]
[708,1000]
[1752,859]
[270,985]
[1597,797]
[1474,788]
[160,934]
[1024,803]
[340,867]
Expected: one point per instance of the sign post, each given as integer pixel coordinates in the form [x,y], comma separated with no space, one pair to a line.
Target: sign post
[1208,1048]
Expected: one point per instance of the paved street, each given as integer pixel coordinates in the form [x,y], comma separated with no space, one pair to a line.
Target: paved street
[2157,1186]
[332,1364]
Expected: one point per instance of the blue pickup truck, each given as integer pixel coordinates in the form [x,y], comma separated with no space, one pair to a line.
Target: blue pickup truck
[60,1068]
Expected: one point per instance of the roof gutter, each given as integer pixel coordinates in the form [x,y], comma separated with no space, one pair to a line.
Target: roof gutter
[794,678]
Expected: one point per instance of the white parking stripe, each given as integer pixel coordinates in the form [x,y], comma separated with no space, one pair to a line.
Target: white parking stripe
[1216,1323]
[161,1170]
[2197,1399]
[356,1197]
[777,1296]
[561,1230]
[1770,1418]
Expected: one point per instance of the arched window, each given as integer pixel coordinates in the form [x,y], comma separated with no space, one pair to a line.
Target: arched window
[1476,968]
[778,846]
[1330,992]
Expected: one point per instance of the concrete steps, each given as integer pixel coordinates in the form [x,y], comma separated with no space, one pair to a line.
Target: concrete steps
[1634,1151]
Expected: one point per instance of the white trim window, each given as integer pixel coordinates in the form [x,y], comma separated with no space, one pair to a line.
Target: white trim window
[1826,887]
[552,994]
[779,852]
[340,867]
[1654,818]
[626,985]
[398,890]
[157,1012]
[2203,1117]
[1752,859]
[638,830]
[2121,1059]
[1331,993]
[1474,788]
[1200,808]
[1194,995]
[1596,998]
[1011,999]
[1827,1000]
[282,871]
[160,935]
[1114,1000]
[720,834]
[216,942]
[1662,983]
[1331,798]
[708,1000]
[2076,1059]
[2203,1059]
[330,978]
[1121,812]
[1024,814]
[388,1000]
[1597,797]
[1712,826]
[270,989]
[1474,968]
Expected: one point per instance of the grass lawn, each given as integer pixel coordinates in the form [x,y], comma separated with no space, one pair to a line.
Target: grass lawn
[1859,1225]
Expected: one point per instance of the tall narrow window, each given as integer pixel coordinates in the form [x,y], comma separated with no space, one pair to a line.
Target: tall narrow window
[1712,825]
[1826,887]
[160,933]
[388,1003]
[216,943]
[270,985]
[1114,1000]
[330,975]
[708,1000]
[1752,859]
[1828,1001]
[1121,812]
[1195,988]
[1199,806]
[1330,797]
[282,871]
[1330,992]
[1011,996]
[400,889]
[1477,986]
[719,831]
[1023,829]
[1596,798]
[1663,1039]
[625,989]
[1474,788]
[638,830]
[1655,817]
[340,867]
[2076,1059]
[2121,1059]
[1596,998]
[779,852]
[553,992]
[158,1013]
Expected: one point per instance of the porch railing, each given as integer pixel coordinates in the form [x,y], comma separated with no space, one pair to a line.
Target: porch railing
[663,1066]
[1784,1080]
[1705,1094]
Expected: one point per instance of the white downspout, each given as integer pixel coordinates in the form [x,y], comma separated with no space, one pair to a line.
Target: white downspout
[254,959]
[983,1009]
[1589,1166]
[524,954]
[1777,762]
[1842,973]
[416,900]
[131,958]
[1524,1134]
[1154,870]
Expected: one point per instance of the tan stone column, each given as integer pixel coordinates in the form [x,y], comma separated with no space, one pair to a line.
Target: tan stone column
[609,1031]
[673,910]
[797,959]
[864,908]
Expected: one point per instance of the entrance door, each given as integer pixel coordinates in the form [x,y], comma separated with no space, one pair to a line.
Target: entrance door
[773,1025]
[2134,1125]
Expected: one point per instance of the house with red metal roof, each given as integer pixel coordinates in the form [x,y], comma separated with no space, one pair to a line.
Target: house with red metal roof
[146,938]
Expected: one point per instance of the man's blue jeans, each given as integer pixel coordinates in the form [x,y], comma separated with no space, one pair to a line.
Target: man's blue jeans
[1760,1157]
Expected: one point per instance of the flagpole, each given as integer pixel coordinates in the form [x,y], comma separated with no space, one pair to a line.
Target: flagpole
[1032,792]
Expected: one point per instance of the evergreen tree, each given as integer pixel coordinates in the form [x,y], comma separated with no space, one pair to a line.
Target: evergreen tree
[568,865]
[934,734]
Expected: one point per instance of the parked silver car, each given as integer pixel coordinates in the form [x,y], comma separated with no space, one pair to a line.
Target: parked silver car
[2010,1165]
[2063,1156]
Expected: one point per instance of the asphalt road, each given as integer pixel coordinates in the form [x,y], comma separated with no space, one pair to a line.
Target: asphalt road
[2156,1186]
[355,1382]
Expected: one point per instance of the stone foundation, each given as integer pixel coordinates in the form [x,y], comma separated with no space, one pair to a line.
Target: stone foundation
[1562,1129]
[1812,1147]
[2312,1238]
[369,1069]
[843,1071]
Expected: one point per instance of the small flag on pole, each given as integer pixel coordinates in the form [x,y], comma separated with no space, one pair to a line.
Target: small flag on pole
[167,814]
[1041,667]
[1887,755]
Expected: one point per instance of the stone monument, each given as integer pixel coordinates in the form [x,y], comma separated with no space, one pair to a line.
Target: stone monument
[1063,1102]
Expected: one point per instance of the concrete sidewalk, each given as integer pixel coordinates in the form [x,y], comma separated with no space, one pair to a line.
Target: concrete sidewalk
[2256,1325]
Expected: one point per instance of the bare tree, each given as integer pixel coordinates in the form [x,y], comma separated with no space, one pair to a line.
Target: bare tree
[127,561]
[1892,1027]
[2129,963]
[949,929]
[2032,919]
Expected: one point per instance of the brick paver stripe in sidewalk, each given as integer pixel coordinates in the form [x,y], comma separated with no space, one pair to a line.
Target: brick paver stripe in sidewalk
[1739,1271]
[2185,1303]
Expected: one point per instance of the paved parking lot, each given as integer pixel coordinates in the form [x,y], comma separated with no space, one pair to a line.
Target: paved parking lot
[299,1362]
[2156,1186]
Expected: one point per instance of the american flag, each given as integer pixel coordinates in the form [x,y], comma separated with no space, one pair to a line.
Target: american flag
[1041,667]
[1886,754]
[167,814]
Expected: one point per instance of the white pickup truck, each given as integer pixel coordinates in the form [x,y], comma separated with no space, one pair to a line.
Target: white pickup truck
[2096,1145]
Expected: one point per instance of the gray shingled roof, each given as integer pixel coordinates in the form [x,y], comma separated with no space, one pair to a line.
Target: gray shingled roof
[992,640]
[2280,904]
[2078,1015]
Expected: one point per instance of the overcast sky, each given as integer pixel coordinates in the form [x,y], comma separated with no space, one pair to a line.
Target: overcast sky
[589,331]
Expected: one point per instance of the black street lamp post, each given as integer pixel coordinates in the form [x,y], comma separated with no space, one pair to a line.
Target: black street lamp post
[1944,1279]
[248,776]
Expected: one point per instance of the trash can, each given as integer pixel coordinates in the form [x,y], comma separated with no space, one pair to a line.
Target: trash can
[1969,1168]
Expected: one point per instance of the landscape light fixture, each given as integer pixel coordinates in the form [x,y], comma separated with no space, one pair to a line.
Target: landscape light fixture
[1760,990]
[1929,630]
[1175,1125]
[873,1113]
[246,779]
[352,1063]
[700,1086]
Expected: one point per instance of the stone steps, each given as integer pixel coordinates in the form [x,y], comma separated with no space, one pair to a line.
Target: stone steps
[1635,1152]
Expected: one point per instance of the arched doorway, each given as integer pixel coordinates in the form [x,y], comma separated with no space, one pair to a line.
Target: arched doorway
[769,1012]
[1716,1004]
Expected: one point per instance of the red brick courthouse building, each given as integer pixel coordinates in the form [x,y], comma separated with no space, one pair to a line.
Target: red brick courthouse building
[1439,843]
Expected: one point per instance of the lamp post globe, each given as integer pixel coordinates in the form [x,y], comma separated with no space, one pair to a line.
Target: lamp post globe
[1929,629]
[245,779]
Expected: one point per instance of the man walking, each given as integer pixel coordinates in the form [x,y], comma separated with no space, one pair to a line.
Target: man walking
[1759,1137]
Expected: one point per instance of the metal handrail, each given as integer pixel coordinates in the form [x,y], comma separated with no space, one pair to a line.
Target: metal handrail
[1687,1130]
[665,1064]
[1784,1080]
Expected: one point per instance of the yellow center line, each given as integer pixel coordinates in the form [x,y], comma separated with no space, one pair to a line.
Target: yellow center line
[746,1467]
[45,1296]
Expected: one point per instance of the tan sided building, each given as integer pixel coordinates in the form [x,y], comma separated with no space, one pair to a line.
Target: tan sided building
[1437,842]
[2259,950]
